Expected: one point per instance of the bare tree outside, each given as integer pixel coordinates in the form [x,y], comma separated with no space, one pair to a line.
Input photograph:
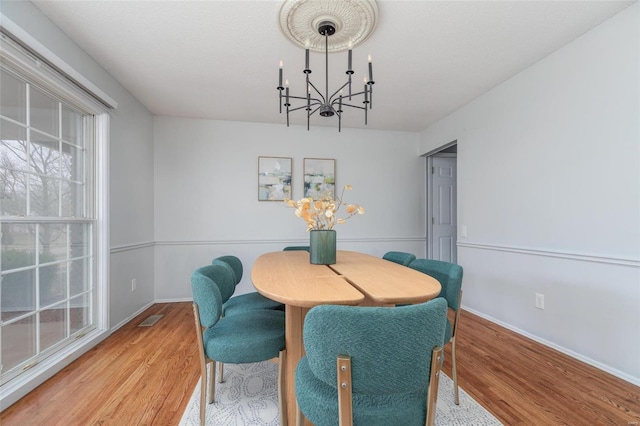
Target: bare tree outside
[45,260]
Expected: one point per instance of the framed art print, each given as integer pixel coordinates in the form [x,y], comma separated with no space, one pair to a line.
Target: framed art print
[319,177]
[274,178]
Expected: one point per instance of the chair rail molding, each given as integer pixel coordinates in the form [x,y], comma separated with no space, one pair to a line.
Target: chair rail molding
[133,246]
[287,241]
[635,263]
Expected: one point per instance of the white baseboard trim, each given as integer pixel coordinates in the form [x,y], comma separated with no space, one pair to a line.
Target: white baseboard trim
[600,366]
[132,316]
[176,300]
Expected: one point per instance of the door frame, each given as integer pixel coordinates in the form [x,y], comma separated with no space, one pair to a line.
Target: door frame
[429,210]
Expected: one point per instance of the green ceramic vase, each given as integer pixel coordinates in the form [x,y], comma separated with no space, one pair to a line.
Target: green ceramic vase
[322,247]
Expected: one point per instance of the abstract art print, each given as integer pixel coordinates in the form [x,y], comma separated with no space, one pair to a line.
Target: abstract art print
[319,177]
[274,178]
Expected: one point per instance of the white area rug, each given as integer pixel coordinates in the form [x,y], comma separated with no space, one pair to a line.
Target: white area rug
[249,396]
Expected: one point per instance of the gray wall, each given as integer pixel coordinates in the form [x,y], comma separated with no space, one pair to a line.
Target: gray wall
[131,170]
[206,198]
[549,189]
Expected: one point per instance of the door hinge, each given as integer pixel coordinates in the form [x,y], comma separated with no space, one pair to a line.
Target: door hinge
[433,170]
[433,220]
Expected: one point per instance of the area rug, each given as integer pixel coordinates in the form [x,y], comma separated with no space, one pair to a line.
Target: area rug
[248,396]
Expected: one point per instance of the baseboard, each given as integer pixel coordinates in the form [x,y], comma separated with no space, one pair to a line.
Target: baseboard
[600,366]
[175,300]
[131,317]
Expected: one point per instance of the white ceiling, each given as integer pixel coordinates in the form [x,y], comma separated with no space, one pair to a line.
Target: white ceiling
[219,59]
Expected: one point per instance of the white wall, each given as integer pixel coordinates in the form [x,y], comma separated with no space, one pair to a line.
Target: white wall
[131,169]
[206,191]
[549,189]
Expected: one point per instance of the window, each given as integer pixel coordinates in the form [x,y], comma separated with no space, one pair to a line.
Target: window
[51,287]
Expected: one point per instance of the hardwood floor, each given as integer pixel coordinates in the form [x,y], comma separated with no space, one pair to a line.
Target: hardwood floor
[145,376]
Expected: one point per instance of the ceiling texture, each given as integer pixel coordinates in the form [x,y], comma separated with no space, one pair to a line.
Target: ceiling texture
[219,59]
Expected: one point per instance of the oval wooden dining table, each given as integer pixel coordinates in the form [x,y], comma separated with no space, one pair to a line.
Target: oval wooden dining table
[355,279]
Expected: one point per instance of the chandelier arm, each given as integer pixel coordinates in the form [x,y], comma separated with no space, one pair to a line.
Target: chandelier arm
[317,91]
[332,99]
[353,106]
[314,111]
[358,93]
[305,106]
[304,98]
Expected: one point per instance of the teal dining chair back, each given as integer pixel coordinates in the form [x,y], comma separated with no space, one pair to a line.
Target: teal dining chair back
[293,248]
[236,265]
[224,278]
[365,366]
[241,303]
[450,277]
[399,257]
[252,337]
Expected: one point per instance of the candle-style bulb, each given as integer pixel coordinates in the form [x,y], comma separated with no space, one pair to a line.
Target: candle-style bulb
[281,63]
[286,83]
[369,58]
[365,79]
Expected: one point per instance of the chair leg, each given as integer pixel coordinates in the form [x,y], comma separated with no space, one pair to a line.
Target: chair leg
[456,397]
[203,396]
[299,416]
[344,386]
[434,379]
[282,403]
[212,383]
[220,372]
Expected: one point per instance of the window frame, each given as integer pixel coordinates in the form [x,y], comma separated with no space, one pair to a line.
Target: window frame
[26,63]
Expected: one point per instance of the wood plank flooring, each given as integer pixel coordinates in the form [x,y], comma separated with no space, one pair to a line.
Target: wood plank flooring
[145,376]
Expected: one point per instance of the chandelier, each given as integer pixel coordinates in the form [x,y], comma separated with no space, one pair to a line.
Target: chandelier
[348,24]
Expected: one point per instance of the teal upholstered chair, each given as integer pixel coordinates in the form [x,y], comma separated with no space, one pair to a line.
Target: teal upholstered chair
[399,257]
[371,366]
[291,248]
[252,337]
[450,277]
[243,302]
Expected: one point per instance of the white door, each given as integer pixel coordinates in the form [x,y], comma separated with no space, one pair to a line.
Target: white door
[443,209]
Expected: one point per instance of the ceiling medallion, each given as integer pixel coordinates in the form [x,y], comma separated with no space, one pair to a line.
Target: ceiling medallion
[354,20]
[310,24]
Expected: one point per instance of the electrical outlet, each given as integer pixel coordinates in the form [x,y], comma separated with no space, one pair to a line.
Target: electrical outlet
[133,284]
[539,301]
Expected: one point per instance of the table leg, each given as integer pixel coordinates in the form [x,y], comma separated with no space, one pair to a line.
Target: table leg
[295,350]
